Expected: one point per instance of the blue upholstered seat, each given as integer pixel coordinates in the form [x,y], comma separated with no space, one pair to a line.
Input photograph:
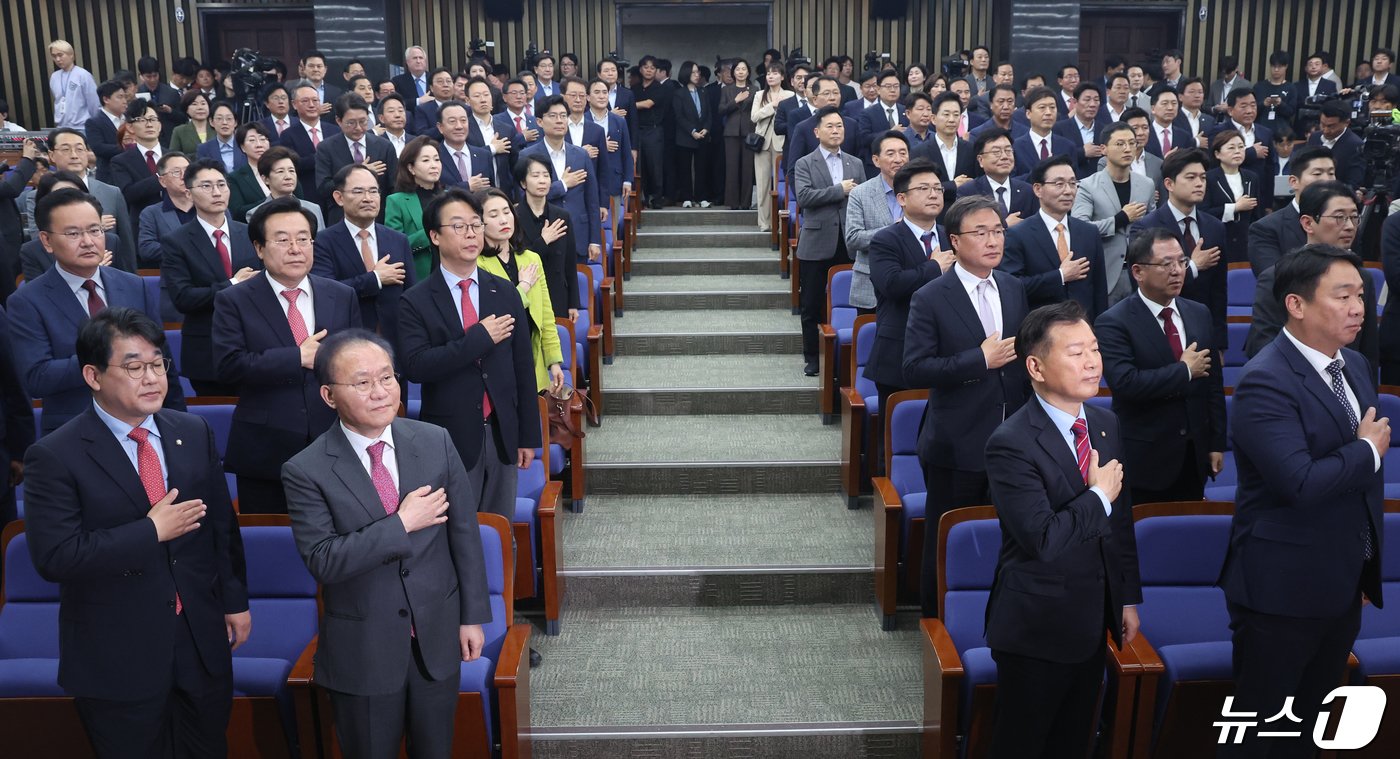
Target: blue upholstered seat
[969,567]
[28,628]
[220,419]
[1239,292]
[1234,358]
[1377,646]
[477,676]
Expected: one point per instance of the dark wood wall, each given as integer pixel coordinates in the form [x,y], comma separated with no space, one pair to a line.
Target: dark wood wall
[112,34]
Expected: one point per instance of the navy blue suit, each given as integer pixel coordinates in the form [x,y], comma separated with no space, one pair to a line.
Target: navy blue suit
[211,148]
[482,163]
[1022,200]
[873,122]
[296,138]
[1027,151]
[102,141]
[337,256]
[139,185]
[898,267]
[1031,255]
[581,201]
[1262,167]
[1069,129]
[502,163]
[192,273]
[45,318]
[1181,138]
[966,163]
[16,417]
[456,367]
[627,101]
[1346,154]
[788,112]
[279,408]
[855,109]
[1019,126]
[425,120]
[615,167]
[1274,235]
[592,135]
[1208,286]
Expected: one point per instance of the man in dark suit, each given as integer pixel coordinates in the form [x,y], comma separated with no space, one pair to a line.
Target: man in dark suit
[101,129]
[266,332]
[1164,376]
[412,84]
[424,117]
[621,101]
[1258,140]
[954,157]
[463,164]
[12,184]
[1312,83]
[277,102]
[581,130]
[869,95]
[458,337]
[1166,133]
[371,258]
[1068,567]
[1081,129]
[133,170]
[355,145]
[16,424]
[1201,235]
[1066,81]
[1040,143]
[576,186]
[485,130]
[884,114]
[794,110]
[47,314]
[1056,256]
[306,133]
[954,346]
[68,151]
[197,261]
[127,510]
[1305,544]
[1334,133]
[615,166]
[384,516]
[996,159]
[165,98]
[1281,232]
[904,257]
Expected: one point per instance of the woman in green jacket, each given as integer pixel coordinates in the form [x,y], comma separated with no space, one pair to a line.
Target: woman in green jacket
[189,136]
[505,256]
[419,180]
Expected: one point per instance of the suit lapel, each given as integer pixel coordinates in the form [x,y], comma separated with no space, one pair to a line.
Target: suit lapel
[321,303]
[56,289]
[1149,326]
[443,299]
[265,300]
[1008,316]
[965,308]
[107,453]
[1320,388]
[1052,441]
[352,474]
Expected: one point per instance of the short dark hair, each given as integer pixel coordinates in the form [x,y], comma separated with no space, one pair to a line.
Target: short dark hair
[1280,58]
[1161,91]
[1192,80]
[343,175]
[109,88]
[167,157]
[522,167]
[338,342]
[1304,156]
[94,344]
[878,144]
[394,96]
[1140,249]
[1387,52]
[1172,53]
[999,87]
[1115,76]
[1038,94]
[55,133]
[257,219]
[1037,175]
[1108,130]
[1033,337]
[1135,113]
[1222,137]
[138,107]
[206,164]
[991,135]
[822,113]
[43,210]
[350,101]
[187,99]
[1313,200]
[1298,272]
[915,97]
[226,105]
[148,65]
[886,74]
[308,55]
[432,215]
[814,84]
[1086,87]
[1060,73]
[270,157]
[252,126]
[1113,61]
[1174,164]
[1323,55]
[1237,94]
[1230,63]
[947,96]
[550,102]
[1337,109]
[965,207]
[913,168]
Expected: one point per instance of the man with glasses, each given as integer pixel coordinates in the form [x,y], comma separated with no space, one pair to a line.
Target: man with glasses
[1165,378]
[575,185]
[884,114]
[969,367]
[995,157]
[46,314]
[266,332]
[175,209]
[196,262]
[1057,256]
[127,510]
[458,337]
[1112,199]
[370,258]
[355,145]
[68,151]
[134,169]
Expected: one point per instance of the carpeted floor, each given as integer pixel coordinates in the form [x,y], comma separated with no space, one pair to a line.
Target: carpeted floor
[687,439]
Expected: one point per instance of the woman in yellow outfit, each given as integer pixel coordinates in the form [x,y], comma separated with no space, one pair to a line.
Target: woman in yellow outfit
[505,256]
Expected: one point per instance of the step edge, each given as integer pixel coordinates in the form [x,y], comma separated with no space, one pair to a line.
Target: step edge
[707,390]
[750,464]
[731,569]
[723,730]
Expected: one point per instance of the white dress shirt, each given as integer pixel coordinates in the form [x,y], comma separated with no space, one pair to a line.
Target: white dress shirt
[970,282]
[360,444]
[210,229]
[1319,361]
[305,302]
[1181,229]
[1246,132]
[373,243]
[601,121]
[75,283]
[1156,310]
[576,130]
[950,155]
[833,165]
[398,142]
[559,159]
[488,131]
[1064,423]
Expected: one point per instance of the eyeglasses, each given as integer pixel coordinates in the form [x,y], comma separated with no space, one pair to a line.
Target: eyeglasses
[1343,219]
[1120,144]
[554,116]
[301,241]
[366,386]
[981,235]
[177,173]
[137,369]
[354,122]
[1179,263]
[70,149]
[925,188]
[996,152]
[1060,184]
[74,235]
[360,192]
[210,186]
[461,228]
[147,120]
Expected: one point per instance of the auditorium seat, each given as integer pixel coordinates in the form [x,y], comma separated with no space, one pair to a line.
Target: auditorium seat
[1377,273]
[589,337]
[834,335]
[172,347]
[1222,488]
[415,400]
[592,303]
[1377,647]
[1239,291]
[217,410]
[860,415]
[1389,407]
[537,527]
[584,357]
[1183,650]
[1234,357]
[899,506]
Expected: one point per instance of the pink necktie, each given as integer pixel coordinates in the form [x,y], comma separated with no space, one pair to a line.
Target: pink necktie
[962,126]
[1166,141]
[359,156]
[461,166]
[383,481]
[294,319]
[281,124]
[469,320]
[223,252]
[315,137]
[148,469]
[519,128]
[1081,447]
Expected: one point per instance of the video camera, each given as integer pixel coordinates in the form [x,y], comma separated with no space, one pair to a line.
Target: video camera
[476,49]
[954,67]
[875,60]
[248,71]
[1380,150]
[797,58]
[622,63]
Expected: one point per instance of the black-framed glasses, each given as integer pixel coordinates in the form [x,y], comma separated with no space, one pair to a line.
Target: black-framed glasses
[137,369]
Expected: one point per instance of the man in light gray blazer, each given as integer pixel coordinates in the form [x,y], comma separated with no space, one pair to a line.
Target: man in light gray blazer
[823,179]
[385,520]
[870,208]
[1100,204]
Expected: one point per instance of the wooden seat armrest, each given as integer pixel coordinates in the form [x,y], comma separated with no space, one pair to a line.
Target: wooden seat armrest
[305,666]
[512,684]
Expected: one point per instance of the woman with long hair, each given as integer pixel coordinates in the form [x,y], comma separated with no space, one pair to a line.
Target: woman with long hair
[419,180]
[765,108]
[735,102]
[505,255]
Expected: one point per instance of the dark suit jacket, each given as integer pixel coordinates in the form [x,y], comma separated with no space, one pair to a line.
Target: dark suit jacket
[1161,407]
[481,163]
[1390,259]
[1181,137]
[615,167]
[898,268]
[16,414]
[334,155]
[279,401]
[1325,86]
[405,86]
[872,123]
[1027,150]
[1346,154]
[595,136]
[211,149]
[1218,193]
[1274,235]
[965,166]
[140,187]
[424,120]
[337,256]
[102,140]
[1268,317]
[1058,548]
[1031,255]
[298,141]
[192,274]
[581,201]
[788,113]
[627,100]
[688,120]
[502,163]
[368,567]
[45,318]
[88,531]
[1262,167]
[1308,488]
[165,94]
[1068,128]
[1022,200]
[1206,287]
[853,109]
[456,367]
[943,352]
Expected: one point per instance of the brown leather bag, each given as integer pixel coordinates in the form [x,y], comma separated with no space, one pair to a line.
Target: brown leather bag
[564,411]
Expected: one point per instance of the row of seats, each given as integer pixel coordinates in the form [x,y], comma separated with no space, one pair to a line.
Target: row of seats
[1163,690]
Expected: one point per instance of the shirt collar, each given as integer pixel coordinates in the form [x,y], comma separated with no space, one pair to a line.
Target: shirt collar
[277,287]
[969,280]
[1315,358]
[360,443]
[1242,128]
[208,228]
[309,127]
[453,280]
[1062,421]
[1051,221]
[1155,307]
[355,231]
[919,232]
[995,185]
[828,155]
[1178,215]
[122,429]
[75,282]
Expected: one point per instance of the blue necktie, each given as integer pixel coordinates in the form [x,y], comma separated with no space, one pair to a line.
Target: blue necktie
[695,96]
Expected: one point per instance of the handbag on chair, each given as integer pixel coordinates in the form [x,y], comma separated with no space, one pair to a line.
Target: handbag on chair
[563,408]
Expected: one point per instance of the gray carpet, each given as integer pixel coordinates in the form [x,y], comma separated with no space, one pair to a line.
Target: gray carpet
[692,322]
[689,283]
[721,371]
[686,439]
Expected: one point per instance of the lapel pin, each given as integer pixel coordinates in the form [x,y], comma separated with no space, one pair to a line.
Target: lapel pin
[178,441]
[1101,434]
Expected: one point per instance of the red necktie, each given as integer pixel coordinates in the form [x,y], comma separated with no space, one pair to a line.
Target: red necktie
[315,137]
[223,252]
[148,469]
[1173,337]
[151,161]
[95,303]
[294,319]
[1188,240]
[469,320]
[1044,148]
[1166,141]
[383,481]
[519,128]
[1081,447]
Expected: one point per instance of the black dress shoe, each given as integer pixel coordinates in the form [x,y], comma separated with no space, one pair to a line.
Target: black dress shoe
[535,658]
[810,369]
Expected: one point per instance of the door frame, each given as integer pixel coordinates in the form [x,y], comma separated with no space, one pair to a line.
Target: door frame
[1129,9]
[215,11]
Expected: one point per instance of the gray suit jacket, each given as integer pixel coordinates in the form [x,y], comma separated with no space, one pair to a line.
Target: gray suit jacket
[1217,90]
[866,213]
[1097,203]
[379,583]
[821,203]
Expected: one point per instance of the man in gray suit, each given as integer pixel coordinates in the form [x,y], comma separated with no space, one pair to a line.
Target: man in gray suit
[68,151]
[823,179]
[1144,163]
[1112,199]
[872,207]
[1230,79]
[385,520]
